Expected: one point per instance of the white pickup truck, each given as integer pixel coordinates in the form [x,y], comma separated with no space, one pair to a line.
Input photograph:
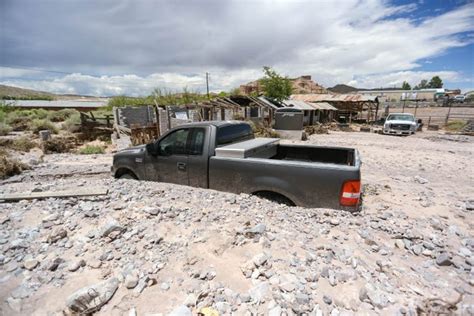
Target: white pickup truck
[400,124]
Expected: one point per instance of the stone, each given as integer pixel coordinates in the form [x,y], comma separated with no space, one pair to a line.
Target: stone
[327,299]
[443,260]
[256,230]
[91,298]
[302,298]
[75,265]
[190,300]
[275,311]
[260,259]
[54,264]
[131,281]
[420,180]
[399,244]
[112,230]
[259,292]
[165,286]
[94,263]
[182,310]
[30,264]
[57,235]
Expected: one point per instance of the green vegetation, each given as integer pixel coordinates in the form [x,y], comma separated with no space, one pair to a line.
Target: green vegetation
[434,83]
[91,150]
[38,125]
[73,123]
[159,97]
[276,87]
[22,144]
[406,86]
[5,129]
[9,166]
[61,115]
[455,126]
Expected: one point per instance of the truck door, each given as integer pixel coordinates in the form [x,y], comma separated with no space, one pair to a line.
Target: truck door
[171,163]
[198,157]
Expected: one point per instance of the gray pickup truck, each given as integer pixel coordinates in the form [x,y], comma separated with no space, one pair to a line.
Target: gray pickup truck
[225,156]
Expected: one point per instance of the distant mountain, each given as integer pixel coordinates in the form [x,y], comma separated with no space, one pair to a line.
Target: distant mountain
[14,93]
[343,88]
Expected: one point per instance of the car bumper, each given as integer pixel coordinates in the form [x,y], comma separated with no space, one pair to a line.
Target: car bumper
[397,132]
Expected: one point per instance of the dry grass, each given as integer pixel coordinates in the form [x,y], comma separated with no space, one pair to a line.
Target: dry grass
[10,166]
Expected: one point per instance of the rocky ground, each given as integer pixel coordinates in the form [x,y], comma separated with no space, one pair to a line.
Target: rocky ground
[155,248]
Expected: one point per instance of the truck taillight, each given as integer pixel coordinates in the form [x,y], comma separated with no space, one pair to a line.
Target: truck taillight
[350,193]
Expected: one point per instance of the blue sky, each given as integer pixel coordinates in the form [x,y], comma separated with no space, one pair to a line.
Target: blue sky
[111,47]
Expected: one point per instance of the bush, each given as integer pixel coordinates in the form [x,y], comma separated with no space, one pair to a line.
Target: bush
[18,121]
[5,129]
[59,145]
[10,167]
[61,115]
[39,125]
[73,123]
[455,126]
[22,144]
[91,150]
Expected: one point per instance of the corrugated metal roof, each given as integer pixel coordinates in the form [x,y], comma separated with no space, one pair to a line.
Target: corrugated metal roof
[323,106]
[300,105]
[333,97]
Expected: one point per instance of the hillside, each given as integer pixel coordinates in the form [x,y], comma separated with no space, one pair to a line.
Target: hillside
[342,88]
[14,93]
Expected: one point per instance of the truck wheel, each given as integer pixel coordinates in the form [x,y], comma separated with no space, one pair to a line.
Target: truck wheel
[275,197]
[127,176]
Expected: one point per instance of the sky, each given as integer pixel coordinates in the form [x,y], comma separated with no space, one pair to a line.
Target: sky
[125,47]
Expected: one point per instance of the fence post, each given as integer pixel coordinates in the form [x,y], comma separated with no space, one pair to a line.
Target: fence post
[429,121]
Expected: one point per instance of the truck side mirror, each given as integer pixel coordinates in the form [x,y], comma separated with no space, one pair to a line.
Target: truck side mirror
[152,149]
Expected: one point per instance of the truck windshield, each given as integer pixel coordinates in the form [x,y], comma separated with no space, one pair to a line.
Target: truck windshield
[400,117]
[233,133]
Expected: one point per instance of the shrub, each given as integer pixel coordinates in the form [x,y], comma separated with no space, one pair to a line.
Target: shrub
[22,144]
[72,124]
[59,145]
[61,115]
[18,121]
[39,125]
[5,129]
[91,150]
[10,167]
[455,126]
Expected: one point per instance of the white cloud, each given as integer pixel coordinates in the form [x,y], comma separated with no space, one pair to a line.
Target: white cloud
[370,43]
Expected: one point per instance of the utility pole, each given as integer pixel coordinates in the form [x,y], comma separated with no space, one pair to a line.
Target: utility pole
[207,84]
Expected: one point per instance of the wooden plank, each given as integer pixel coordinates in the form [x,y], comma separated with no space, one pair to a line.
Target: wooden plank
[58,194]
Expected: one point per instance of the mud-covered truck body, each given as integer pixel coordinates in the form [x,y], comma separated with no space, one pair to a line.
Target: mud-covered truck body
[225,156]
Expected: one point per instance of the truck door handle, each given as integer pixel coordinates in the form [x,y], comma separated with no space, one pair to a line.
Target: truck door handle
[181,166]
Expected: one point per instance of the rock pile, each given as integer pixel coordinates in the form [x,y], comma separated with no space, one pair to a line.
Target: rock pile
[234,253]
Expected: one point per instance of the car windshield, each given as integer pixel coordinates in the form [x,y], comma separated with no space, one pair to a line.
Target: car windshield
[400,117]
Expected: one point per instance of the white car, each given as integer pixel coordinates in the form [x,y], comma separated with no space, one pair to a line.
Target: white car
[400,124]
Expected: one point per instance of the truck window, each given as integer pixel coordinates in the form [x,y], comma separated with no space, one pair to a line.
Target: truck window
[233,133]
[174,143]
[196,143]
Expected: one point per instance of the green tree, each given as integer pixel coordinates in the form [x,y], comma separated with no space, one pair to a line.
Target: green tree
[406,86]
[435,82]
[276,87]
[422,85]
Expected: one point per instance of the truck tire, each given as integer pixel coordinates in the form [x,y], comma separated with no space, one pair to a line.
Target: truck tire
[127,176]
[275,197]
